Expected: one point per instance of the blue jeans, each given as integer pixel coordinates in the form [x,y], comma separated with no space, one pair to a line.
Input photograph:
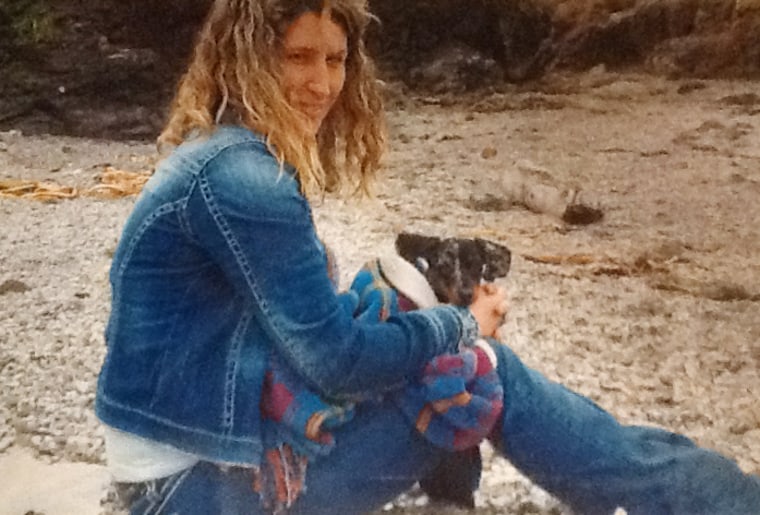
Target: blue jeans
[561,440]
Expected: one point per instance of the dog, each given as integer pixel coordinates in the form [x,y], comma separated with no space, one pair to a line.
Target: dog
[454,267]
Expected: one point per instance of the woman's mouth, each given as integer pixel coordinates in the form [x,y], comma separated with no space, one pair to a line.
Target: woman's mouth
[313,111]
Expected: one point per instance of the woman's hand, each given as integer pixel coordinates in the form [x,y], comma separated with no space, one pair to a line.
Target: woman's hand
[489,307]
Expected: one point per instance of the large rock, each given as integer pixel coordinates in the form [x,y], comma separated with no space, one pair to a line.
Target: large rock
[499,39]
[679,37]
[457,44]
[111,70]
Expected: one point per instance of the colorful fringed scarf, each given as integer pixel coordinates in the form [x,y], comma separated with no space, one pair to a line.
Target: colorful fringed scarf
[297,426]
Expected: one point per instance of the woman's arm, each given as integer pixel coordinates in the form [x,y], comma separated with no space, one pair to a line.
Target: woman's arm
[257,227]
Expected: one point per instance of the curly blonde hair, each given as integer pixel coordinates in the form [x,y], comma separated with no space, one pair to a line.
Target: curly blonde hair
[234,69]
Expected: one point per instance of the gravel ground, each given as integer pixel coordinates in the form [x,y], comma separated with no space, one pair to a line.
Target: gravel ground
[660,324]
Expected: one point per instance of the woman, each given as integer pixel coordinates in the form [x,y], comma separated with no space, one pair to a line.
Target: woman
[221,286]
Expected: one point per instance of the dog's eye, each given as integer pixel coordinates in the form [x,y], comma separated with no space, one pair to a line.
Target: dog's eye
[422,264]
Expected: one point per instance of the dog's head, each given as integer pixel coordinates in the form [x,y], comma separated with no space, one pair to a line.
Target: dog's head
[454,266]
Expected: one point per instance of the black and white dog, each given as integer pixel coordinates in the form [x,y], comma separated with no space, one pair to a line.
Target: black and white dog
[454,267]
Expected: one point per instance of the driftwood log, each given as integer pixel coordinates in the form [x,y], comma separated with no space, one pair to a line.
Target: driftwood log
[533,187]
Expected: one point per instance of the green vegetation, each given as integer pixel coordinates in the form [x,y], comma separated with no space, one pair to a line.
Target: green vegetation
[26,22]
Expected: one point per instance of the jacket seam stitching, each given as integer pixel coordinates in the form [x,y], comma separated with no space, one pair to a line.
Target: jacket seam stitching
[232,367]
[170,423]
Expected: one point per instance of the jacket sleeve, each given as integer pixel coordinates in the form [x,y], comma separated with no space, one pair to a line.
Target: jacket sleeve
[252,220]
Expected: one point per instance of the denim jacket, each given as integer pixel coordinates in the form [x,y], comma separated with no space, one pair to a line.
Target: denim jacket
[218,266]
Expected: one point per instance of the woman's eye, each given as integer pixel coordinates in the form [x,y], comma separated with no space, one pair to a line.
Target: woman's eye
[336,60]
[297,57]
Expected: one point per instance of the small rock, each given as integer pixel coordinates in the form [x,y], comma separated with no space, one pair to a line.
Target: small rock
[82,386]
[11,400]
[489,153]
[6,442]
[13,286]
[11,134]
[24,408]
[579,214]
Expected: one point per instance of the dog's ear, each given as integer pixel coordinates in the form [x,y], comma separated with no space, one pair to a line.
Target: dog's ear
[412,247]
[497,259]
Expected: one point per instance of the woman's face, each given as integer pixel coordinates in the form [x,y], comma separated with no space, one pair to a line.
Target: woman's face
[313,65]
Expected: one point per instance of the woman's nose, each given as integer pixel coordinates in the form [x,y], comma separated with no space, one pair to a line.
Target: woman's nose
[319,78]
